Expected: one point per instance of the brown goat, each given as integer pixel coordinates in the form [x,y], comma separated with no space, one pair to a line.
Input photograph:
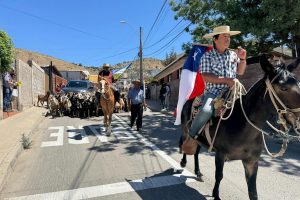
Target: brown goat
[43,98]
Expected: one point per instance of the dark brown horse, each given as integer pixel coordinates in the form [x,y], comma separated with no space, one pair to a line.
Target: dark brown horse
[107,102]
[236,138]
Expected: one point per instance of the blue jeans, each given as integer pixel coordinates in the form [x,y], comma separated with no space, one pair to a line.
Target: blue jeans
[6,98]
[205,113]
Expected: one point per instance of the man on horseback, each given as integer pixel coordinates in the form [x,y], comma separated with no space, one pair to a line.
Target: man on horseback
[218,68]
[105,72]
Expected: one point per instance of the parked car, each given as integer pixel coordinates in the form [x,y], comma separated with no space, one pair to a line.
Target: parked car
[78,86]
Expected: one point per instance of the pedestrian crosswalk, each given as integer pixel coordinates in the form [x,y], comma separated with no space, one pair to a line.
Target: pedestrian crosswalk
[78,135]
[121,132]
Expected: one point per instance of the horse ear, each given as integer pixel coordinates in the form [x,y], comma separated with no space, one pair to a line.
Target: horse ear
[293,65]
[265,64]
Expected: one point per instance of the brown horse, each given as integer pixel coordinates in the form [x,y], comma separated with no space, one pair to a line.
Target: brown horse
[107,102]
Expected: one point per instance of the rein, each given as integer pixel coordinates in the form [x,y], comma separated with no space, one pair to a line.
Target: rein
[103,95]
[285,141]
[281,112]
[106,92]
[236,92]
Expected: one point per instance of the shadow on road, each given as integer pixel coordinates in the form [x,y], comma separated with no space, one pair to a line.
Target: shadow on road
[169,192]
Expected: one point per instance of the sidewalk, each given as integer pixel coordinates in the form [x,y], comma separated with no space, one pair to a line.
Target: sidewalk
[11,130]
[155,105]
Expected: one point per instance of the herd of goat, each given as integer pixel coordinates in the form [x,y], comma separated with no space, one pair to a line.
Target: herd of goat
[83,105]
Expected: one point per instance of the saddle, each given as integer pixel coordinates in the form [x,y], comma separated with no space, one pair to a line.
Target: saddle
[219,105]
[189,146]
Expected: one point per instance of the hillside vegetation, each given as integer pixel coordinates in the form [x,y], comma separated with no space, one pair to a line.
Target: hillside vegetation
[150,65]
[45,60]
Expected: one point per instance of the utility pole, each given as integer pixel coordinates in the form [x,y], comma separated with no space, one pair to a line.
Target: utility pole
[141,58]
[51,77]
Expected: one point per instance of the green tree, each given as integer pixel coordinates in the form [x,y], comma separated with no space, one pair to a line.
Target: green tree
[265,24]
[170,57]
[6,52]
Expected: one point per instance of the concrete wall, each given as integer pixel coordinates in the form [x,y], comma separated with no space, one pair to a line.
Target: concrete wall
[72,75]
[174,85]
[24,74]
[38,81]
[33,83]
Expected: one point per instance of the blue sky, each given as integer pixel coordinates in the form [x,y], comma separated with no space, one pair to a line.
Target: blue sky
[89,32]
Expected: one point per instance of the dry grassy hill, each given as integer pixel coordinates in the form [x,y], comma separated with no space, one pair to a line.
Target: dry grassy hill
[44,60]
[150,65]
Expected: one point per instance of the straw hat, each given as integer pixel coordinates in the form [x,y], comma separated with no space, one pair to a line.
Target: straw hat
[136,82]
[106,65]
[219,30]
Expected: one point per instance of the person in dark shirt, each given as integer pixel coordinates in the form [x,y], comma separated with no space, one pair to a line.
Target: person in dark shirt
[162,96]
[105,72]
[136,102]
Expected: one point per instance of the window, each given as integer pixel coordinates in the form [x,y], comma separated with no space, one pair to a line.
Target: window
[179,73]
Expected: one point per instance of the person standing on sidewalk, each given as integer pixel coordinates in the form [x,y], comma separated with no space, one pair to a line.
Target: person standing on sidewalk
[167,96]
[162,96]
[8,84]
[136,102]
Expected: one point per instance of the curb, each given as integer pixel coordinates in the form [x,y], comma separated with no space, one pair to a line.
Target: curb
[167,112]
[16,150]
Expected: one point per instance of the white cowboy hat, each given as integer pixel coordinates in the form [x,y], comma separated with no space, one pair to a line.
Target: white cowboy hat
[219,30]
[106,65]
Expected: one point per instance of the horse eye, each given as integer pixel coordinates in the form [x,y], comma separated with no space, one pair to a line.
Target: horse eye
[284,88]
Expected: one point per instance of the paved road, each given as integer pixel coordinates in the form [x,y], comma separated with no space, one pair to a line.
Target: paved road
[73,159]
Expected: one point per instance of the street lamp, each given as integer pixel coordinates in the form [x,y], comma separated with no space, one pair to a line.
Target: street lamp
[140,54]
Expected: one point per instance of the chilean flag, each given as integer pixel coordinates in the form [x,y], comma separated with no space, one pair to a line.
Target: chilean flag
[190,77]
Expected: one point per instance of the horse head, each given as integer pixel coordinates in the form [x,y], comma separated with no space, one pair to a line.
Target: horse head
[103,85]
[285,89]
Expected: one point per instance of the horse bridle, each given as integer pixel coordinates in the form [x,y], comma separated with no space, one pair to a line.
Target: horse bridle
[273,96]
[290,112]
[105,92]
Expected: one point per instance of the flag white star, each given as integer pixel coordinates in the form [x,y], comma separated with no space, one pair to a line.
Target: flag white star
[196,53]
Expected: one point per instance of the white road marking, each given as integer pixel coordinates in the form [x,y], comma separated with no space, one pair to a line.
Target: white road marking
[60,137]
[72,135]
[122,133]
[170,160]
[111,189]
[121,187]
[102,138]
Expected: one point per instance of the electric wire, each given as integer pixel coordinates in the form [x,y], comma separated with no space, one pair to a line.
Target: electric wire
[155,21]
[53,22]
[170,42]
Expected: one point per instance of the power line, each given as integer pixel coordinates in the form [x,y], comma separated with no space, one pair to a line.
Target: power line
[164,37]
[52,22]
[155,20]
[120,53]
[170,42]
[159,24]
